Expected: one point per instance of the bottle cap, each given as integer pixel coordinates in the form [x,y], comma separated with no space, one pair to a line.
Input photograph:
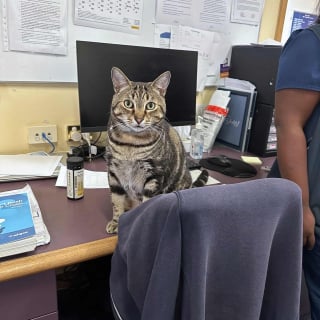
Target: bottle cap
[74,162]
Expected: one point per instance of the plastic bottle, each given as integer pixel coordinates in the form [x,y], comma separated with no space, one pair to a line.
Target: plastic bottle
[75,189]
[197,142]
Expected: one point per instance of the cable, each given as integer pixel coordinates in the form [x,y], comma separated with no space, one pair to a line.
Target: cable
[86,137]
[97,139]
[83,151]
[44,137]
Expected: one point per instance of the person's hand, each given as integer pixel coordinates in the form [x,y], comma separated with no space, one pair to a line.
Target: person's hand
[308,228]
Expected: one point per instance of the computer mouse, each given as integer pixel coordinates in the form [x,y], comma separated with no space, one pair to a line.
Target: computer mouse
[220,160]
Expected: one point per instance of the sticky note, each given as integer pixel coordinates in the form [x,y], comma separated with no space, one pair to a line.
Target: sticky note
[251,160]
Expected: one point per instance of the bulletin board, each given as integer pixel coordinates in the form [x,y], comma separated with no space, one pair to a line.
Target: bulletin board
[18,66]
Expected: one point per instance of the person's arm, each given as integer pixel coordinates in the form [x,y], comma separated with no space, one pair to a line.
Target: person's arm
[293,107]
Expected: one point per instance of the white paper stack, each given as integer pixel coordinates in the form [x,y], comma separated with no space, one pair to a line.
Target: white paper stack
[28,166]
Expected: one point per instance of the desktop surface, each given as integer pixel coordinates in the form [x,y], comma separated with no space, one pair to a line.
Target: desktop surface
[69,222]
[77,230]
[77,227]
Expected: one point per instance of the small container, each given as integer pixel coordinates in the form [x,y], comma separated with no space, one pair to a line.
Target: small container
[75,188]
[197,142]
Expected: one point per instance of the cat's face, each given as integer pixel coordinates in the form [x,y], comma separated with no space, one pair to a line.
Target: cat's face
[138,105]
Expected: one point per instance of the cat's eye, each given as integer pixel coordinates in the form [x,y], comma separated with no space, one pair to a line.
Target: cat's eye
[128,104]
[150,106]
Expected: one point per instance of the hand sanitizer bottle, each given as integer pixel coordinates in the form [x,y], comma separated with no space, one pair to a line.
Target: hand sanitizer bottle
[197,142]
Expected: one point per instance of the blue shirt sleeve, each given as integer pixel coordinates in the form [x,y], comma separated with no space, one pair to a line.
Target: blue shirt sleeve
[299,64]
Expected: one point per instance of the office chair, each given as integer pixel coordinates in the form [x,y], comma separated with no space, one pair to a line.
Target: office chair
[227,252]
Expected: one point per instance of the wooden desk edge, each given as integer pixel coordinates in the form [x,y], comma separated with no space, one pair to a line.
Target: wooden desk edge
[36,263]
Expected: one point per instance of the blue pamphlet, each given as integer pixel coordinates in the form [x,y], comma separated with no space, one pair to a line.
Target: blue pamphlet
[16,221]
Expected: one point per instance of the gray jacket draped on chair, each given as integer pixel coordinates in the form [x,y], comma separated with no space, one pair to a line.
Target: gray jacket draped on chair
[227,252]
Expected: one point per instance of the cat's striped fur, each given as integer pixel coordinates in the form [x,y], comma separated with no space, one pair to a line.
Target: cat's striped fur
[144,153]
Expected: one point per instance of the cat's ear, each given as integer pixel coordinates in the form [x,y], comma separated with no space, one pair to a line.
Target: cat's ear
[119,79]
[162,82]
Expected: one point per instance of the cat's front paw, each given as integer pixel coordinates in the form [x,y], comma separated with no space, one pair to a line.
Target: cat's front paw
[112,227]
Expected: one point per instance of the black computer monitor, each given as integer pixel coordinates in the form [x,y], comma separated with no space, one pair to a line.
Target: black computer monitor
[95,89]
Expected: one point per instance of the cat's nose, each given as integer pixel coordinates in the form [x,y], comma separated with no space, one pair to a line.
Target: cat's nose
[138,120]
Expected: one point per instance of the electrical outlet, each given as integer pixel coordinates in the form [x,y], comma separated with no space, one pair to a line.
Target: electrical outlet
[73,133]
[35,134]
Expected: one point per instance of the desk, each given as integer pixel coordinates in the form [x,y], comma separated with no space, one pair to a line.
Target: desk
[77,230]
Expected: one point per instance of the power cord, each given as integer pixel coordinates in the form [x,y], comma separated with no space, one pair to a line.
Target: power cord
[45,138]
[86,137]
[97,139]
[83,151]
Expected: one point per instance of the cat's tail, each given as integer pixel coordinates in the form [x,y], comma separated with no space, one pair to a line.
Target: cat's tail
[201,180]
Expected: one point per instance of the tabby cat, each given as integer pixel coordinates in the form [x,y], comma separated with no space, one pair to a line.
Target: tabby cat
[144,153]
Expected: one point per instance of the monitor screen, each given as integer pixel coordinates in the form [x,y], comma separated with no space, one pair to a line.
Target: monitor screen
[234,131]
[143,64]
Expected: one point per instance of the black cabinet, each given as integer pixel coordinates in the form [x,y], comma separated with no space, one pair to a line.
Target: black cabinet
[262,139]
[259,64]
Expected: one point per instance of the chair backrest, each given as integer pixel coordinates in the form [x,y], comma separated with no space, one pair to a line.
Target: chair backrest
[227,252]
